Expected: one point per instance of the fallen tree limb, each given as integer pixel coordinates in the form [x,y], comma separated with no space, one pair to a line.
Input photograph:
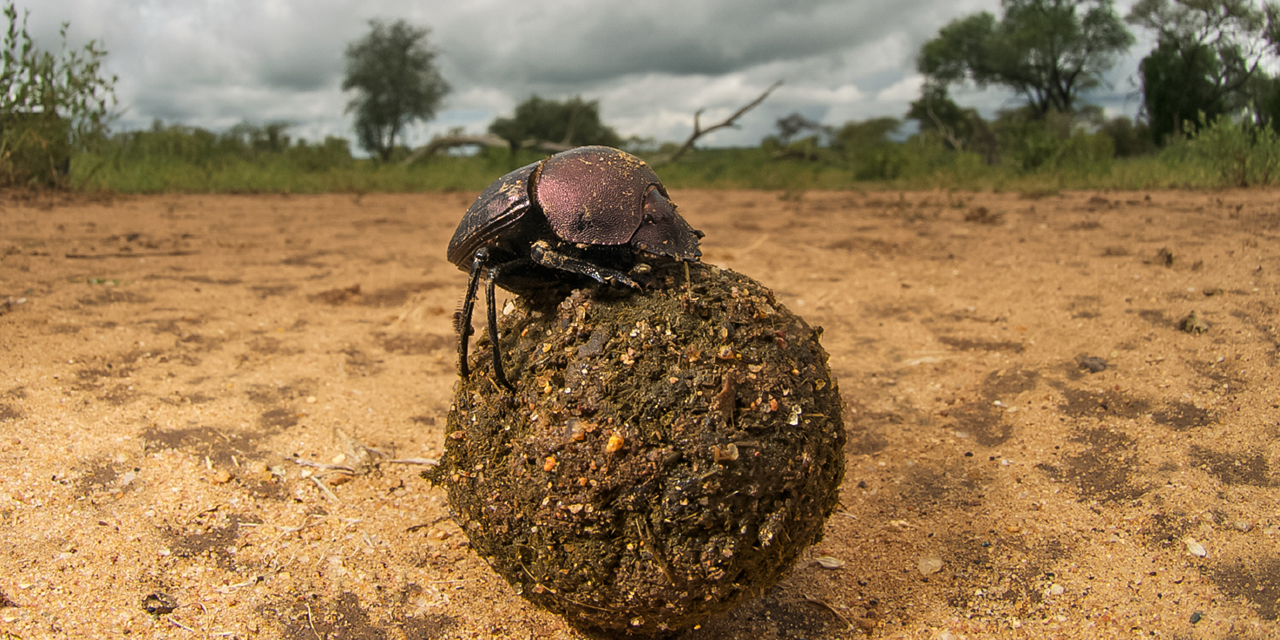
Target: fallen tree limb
[441,143]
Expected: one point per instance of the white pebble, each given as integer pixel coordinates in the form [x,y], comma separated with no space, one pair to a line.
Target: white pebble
[929,564]
[1194,548]
[827,562]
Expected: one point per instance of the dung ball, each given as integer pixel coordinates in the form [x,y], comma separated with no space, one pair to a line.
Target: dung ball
[667,453]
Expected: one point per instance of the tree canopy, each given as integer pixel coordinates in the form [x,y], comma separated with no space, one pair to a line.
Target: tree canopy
[393,72]
[1206,60]
[1046,50]
[571,122]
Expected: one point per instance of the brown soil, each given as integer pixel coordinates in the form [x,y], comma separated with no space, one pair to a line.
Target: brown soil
[1037,448]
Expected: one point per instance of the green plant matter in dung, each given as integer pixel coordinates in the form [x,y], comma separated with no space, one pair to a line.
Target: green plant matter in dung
[50,104]
[394,75]
[1048,51]
[570,122]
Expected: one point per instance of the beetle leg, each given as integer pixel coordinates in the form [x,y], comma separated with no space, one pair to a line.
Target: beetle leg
[462,320]
[493,330]
[543,254]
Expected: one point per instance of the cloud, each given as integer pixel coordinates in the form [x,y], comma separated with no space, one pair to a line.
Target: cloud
[651,65]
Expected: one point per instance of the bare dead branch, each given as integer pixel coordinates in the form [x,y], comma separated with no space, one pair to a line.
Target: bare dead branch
[947,132]
[698,131]
[441,143]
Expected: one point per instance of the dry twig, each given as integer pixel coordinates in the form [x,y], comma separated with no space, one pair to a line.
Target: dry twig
[698,131]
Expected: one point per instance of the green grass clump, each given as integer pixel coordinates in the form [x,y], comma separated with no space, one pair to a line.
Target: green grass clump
[251,159]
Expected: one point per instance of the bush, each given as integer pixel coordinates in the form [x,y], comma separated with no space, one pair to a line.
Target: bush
[1240,154]
[49,105]
[35,149]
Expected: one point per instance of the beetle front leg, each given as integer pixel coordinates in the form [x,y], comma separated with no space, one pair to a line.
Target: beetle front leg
[493,330]
[543,254]
[462,319]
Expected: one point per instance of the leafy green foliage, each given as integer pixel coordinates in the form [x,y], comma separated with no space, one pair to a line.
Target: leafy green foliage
[1130,138]
[1241,154]
[165,156]
[1206,60]
[253,158]
[789,143]
[394,74]
[869,147]
[961,129]
[1054,142]
[49,105]
[1046,50]
[572,122]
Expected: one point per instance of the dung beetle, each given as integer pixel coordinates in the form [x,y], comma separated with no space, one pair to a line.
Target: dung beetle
[587,214]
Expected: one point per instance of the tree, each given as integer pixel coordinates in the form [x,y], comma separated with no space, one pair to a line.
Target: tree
[1207,57]
[573,122]
[49,105]
[394,74]
[1046,50]
[959,128]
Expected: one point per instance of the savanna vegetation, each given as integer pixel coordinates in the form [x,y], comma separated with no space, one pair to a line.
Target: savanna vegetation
[1209,117]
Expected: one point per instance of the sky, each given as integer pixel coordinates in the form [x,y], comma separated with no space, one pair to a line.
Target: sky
[651,64]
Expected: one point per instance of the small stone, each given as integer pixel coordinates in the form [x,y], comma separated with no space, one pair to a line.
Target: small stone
[1056,590]
[929,565]
[1193,323]
[1194,548]
[221,476]
[1243,525]
[1093,363]
[828,562]
[616,443]
[159,603]
[1196,617]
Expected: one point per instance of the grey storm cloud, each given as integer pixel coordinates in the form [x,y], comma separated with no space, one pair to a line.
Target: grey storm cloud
[214,63]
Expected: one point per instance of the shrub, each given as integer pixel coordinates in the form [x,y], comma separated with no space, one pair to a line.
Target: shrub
[49,105]
[1240,154]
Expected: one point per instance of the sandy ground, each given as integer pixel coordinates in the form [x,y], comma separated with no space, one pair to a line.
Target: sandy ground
[182,373]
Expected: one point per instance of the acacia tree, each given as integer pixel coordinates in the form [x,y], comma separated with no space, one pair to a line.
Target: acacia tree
[394,74]
[572,122]
[1046,50]
[1206,60]
[959,128]
[49,104]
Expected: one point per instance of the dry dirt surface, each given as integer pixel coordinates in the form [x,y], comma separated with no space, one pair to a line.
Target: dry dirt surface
[1062,412]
